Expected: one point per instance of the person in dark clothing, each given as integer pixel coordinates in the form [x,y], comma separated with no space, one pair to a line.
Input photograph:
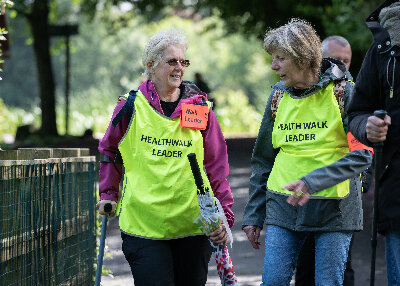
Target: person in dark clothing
[199,81]
[378,87]
[203,86]
[336,47]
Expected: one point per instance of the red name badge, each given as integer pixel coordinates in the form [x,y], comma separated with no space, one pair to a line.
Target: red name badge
[194,116]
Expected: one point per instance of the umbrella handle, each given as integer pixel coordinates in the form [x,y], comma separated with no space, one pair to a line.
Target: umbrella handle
[196,172]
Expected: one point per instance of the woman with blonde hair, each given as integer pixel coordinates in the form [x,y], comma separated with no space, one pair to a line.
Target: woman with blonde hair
[305,178]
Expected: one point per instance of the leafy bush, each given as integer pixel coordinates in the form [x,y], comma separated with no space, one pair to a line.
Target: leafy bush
[12,117]
[89,109]
[235,114]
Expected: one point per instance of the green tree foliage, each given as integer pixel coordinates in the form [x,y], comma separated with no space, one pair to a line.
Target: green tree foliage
[40,14]
[343,17]
[19,86]
[235,115]
[346,18]
[37,14]
[247,17]
[106,62]
[234,67]
[12,117]
[3,30]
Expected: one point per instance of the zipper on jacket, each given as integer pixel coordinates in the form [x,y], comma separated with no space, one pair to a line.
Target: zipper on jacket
[391,84]
[123,194]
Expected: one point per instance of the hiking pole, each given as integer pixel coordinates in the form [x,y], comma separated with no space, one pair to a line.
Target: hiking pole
[107,209]
[378,147]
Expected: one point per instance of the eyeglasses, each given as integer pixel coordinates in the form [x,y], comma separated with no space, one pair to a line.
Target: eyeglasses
[174,62]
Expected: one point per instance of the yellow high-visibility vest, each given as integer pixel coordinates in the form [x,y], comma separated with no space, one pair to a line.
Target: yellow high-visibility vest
[159,198]
[310,134]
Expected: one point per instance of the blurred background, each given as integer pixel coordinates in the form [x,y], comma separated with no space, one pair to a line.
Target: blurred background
[67,61]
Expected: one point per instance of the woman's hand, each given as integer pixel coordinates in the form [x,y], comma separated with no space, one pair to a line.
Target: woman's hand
[300,191]
[253,234]
[219,236]
[101,204]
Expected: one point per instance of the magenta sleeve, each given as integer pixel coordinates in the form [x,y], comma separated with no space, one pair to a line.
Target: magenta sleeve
[110,173]
[217,166]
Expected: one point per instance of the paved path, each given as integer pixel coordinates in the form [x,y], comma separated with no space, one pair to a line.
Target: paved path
[248,262]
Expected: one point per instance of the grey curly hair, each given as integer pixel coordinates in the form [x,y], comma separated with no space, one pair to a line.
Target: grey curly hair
[155,47]
[297,39]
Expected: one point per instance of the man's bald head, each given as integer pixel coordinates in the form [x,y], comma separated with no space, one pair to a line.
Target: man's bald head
[337,47]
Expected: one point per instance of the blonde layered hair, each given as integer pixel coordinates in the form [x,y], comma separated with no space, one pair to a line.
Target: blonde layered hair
[153,52]
[298,40]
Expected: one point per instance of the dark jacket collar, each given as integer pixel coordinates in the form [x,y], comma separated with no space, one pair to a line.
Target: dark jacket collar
[381,36]
[331,70]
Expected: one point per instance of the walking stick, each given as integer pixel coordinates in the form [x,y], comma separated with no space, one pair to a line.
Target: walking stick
[378,162]
[107,208]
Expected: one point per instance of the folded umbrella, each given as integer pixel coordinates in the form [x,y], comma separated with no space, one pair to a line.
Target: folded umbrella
[211,217]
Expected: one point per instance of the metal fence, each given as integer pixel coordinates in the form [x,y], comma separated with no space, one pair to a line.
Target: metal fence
[47,217]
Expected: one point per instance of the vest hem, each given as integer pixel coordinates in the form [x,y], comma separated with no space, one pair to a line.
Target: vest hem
[311,196]
[153,238]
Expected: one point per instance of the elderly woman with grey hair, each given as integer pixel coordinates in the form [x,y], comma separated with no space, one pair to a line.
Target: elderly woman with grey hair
[158,203]
[306,169]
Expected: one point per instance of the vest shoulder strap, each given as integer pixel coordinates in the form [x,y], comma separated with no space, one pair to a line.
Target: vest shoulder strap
[338,90]
[276,98]
[127,108]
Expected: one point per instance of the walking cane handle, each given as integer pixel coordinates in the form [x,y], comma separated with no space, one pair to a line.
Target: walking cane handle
[380,113]
[107,207]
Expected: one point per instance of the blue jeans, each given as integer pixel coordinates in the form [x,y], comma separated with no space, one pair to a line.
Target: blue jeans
[393,258]
[282,247]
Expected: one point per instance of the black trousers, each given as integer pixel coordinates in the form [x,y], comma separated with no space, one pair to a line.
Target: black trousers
[175,262]
[305,270]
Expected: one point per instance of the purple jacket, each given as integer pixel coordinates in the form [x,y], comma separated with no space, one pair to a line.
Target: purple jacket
[215,152]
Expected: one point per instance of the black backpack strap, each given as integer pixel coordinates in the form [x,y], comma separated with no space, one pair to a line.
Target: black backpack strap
[107,159]
[127,108]
[203,102]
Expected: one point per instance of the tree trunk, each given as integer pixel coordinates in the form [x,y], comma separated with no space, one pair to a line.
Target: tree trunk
[41,43]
